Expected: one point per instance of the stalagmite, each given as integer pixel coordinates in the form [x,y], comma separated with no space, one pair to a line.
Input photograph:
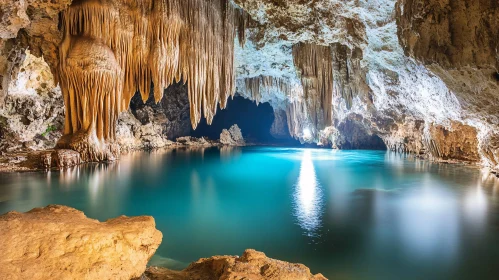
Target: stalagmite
[112,49]
[314,63]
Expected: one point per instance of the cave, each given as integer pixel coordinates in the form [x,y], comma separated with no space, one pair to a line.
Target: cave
[255,122]
[249,139]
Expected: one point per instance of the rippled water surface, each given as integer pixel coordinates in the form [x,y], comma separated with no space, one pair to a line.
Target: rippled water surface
[346,214]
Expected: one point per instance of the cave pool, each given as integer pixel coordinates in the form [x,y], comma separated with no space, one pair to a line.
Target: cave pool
[345,214]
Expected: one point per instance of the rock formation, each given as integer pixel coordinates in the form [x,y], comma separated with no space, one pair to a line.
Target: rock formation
[339,69]
[188,141]
[172,112]
[279,129]
[58,242]
[131,134]
[459,41]
[105,60]
[251,265]
[232,137]
[32,115]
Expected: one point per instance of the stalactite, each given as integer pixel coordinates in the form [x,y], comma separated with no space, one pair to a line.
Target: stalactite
[112,49]
[257,86]
[348,77]
[298,118]
[315,67]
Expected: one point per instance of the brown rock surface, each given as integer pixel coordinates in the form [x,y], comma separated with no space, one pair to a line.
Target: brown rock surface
[59,242]
[252,265]
[458,40]
[458,142]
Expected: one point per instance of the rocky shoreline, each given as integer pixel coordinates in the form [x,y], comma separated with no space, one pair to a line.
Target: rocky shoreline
[60,242]
[64,158]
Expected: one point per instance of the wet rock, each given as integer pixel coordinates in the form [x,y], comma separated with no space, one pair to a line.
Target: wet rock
[195,142]
[251,265]
[59,242]
[232,137]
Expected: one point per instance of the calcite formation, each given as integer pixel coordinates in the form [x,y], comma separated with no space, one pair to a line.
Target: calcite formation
[58,242]
[251,265]
[112,50]
[315,64]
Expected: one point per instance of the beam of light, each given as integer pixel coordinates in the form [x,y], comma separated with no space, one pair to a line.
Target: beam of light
[308,197]
[307,133]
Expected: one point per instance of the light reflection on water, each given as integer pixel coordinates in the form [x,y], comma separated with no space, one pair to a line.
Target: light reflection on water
[346,214]
[308,197]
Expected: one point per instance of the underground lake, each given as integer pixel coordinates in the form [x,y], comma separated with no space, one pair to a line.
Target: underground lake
[345,214]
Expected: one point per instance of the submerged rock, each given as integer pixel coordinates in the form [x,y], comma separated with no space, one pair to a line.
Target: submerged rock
[59,242]
[232,137]
[251,265]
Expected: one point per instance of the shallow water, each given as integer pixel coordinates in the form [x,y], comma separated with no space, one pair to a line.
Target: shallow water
[346,214]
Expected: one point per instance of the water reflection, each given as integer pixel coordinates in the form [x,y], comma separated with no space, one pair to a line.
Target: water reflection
[308,197]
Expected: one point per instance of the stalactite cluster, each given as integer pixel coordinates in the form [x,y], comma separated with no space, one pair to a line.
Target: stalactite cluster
[298,118]
[348,77]
[314,64]
[257,86]
[114,48]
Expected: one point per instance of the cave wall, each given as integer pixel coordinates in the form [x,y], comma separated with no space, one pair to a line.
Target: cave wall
[459,42]
[172,111]
[32,114]
[395,69]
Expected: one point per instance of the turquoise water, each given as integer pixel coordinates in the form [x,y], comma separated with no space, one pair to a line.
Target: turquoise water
[346,214]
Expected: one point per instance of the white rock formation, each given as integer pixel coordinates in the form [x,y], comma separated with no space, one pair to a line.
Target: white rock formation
[232,137]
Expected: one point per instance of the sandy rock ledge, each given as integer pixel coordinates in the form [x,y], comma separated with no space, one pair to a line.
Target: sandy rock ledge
[59,242]
[252,265]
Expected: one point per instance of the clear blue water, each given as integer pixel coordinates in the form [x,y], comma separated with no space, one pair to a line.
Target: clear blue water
[346,214]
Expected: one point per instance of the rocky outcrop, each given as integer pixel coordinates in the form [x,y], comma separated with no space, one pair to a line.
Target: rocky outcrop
[251,265]
[188,141]
[459,142]
[32,115]
[232,137]
[58,242]
[171,112]
[355,133]
[28,24]
[279,129]
[131,134]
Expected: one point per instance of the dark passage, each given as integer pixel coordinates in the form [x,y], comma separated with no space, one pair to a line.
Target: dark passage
[255,121]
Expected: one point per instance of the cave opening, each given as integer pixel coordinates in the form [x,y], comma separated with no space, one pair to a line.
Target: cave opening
[255,122]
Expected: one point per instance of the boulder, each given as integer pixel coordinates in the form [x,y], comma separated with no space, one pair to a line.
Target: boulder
[251,265]
[59,242]
[232,137]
